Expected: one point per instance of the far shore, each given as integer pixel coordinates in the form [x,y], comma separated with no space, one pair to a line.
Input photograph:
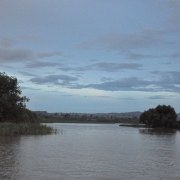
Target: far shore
[133,125]
[103,121]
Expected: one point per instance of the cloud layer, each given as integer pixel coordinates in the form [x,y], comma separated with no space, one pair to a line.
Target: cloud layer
[119,50]
[54,79]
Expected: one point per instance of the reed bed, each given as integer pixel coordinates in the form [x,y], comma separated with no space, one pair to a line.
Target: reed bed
[9,129]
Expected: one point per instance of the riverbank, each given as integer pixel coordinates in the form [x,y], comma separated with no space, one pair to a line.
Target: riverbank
[145,126]
[9,129]
[73,121]
[133,125]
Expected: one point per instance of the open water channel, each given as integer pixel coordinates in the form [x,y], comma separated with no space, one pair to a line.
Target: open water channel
[92,152]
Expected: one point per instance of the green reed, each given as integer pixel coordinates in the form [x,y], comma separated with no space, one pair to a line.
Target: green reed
[25,129]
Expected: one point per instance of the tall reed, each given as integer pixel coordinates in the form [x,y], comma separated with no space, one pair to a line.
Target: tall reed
[25,129]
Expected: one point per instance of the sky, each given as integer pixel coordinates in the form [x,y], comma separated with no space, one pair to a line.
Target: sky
[90,56]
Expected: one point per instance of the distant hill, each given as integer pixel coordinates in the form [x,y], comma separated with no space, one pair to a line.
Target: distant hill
[112,117]
[136,113]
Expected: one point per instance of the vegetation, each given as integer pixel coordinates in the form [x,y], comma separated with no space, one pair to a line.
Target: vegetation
[161,116]
[15,118]
[84,118]
[24,129]
[72,121]
[12,104]
[133,125]
[88,120]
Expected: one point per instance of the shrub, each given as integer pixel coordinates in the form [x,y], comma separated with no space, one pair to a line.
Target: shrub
[161,116]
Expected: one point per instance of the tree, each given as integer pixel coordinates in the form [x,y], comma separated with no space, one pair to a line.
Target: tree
[12,104]
[161,116]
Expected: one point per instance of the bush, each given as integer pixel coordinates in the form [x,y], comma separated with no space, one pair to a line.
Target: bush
[161,116]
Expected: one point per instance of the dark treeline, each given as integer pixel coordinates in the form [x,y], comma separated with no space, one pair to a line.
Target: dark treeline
[12,104]
[88,118]
[15,118]
[161,116]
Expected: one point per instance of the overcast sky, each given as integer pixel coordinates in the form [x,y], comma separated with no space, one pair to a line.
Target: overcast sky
[93,55]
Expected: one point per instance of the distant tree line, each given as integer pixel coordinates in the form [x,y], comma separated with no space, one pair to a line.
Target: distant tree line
[161,116]
[12,104]
[68,117]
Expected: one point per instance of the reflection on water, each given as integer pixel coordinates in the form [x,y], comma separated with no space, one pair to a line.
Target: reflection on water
[8,157]
[158,132]
[92,152]
[163,151]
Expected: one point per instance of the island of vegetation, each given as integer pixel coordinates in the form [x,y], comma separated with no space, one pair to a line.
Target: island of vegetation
[15,118]
[160,117]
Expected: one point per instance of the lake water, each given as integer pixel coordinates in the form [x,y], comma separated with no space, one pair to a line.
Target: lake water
[92,152]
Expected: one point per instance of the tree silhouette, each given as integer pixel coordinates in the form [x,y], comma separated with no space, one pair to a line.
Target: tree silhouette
[12,104]
[161,116]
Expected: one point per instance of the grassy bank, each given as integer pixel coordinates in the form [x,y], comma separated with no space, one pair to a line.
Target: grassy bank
[8,129]
[133,125]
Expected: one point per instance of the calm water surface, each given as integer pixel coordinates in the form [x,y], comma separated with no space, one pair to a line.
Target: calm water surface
[92,152]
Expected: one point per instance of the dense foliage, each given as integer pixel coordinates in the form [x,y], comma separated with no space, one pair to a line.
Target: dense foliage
[12,104]
[161,116]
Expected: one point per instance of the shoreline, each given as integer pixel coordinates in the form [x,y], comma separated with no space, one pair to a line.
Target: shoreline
[133,125]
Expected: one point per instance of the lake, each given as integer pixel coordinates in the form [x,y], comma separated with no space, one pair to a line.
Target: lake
[92,152]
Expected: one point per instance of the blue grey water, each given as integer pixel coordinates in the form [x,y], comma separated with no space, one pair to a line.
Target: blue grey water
[92,152]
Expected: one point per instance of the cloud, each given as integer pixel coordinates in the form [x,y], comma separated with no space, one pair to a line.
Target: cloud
[165,82]
[6,42]
[155,97]
[105,79]
[137,56]
[168,77]
[68,95]
[98,97]
[29,88]
[9,54]
[128,98]
[167,63]
[170,81]
[126,84]
[39,64]
[175,55]
[14,55]
[128,42]
[67,68]
[174,20]
[111,67]
[103,66]
[54,79]
[48,54]
[26,73]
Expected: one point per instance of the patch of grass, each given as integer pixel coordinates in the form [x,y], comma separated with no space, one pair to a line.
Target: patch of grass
[9,129]
[133,125]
